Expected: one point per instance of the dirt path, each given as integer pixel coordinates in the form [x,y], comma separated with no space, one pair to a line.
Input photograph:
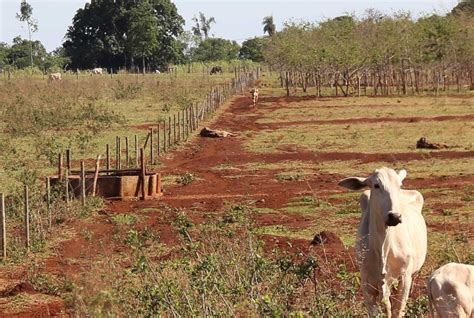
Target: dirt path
[211,192]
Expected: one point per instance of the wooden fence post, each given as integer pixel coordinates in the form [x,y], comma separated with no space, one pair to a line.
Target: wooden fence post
[191,118]
[68,159]
[127,153]
[48,199]
[96,175]
[66,182]
[169,131]
[184,124]
[143,173]
[158,137]
[83,183]
[179,128]
[3,224]
[152,154]
[60,166]
[119,158]
[107,157]
[27,217]
[174,129]
[136,151]
[116,153]
[164,136]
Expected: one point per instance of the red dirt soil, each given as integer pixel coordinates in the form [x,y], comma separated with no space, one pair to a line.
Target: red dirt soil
[214,190]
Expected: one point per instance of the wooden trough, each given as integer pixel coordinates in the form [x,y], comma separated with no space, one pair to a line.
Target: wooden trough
[113,184]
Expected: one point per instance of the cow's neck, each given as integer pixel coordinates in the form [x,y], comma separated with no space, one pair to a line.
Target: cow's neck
[379,236]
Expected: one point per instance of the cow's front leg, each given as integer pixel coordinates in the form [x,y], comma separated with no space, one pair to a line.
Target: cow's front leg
[386,286]
[371,294]
[403,293]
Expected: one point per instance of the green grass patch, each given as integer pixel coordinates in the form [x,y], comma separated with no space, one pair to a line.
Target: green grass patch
[125,219]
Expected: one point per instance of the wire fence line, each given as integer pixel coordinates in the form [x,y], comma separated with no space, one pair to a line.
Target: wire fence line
[29,214]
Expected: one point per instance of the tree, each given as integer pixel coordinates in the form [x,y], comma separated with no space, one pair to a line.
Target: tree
[4,50]
[252,49]
[215,49]
[19,54]
[26,15]
[104,33]
[464,6]
[143,31]
[268,25]
[203,25]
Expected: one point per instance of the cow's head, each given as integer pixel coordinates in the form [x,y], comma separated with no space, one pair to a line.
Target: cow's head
[385,185]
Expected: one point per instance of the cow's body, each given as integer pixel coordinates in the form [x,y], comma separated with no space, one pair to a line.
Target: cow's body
[451,291]
[391,239]
[97,71]
[254,95]
[215,70]
[53,77]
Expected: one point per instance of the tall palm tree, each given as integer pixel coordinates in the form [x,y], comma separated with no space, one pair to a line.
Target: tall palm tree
[268,25]
[203,25]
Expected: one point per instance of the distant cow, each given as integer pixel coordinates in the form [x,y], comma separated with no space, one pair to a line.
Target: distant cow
[215,70]
[157,72]
[54,77]
[97,71]
[451,291]
[391,240]
[254,96]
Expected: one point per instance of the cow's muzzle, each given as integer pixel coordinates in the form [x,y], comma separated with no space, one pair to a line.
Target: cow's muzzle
[394,219]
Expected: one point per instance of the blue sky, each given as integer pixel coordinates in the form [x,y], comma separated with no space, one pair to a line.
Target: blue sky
[236,20]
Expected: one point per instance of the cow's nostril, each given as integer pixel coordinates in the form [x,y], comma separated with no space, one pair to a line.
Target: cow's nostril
[394,219]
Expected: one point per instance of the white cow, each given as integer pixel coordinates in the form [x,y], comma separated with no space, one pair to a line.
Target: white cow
[97,71]
[254,95]
[54,77]
[391,239]
[451,291]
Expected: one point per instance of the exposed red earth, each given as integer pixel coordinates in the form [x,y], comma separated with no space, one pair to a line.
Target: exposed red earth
[211,193]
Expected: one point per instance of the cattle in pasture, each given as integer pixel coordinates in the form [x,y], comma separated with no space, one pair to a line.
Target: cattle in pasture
[97,71]
[391,239]
[254,96]
[451,291]
[53,77]
[157,72]
[215,70]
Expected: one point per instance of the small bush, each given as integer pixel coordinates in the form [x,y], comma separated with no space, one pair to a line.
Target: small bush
[130,91]
[186,178]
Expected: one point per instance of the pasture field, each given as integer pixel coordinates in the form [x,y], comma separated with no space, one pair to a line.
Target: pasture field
[231,236]
[40,119]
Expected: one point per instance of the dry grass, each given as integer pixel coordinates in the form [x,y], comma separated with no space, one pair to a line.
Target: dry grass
[40,119]
[370,107]
[368,138]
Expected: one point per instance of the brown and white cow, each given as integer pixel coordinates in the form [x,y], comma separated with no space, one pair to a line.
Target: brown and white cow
[391,240]
[451,291]
[254,96]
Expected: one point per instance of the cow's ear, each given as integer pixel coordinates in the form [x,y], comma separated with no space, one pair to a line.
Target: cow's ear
[402,174]
[353,183]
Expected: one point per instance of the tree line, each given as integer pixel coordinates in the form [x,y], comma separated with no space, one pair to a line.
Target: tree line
[389,53]
[124,34]
[382,51]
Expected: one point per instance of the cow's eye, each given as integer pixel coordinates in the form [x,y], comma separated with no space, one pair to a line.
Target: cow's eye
[376,186]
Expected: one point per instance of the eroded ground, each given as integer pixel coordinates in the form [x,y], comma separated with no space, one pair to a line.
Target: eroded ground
[285,163]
